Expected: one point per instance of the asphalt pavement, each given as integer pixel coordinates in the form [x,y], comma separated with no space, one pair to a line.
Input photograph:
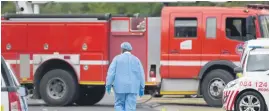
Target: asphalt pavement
[166,103]
[106,104]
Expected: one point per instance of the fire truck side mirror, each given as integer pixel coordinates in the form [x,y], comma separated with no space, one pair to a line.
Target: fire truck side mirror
[251,28]
[238,70]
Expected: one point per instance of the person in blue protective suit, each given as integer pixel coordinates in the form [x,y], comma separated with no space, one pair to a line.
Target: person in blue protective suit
[126,73]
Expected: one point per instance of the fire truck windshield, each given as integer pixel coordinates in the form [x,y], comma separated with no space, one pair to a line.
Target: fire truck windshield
[264,21]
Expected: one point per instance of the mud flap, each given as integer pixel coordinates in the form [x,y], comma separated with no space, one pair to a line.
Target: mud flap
[36,95]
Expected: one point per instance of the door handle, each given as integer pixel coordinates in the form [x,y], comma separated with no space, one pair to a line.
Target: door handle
[174,51]
[225,52]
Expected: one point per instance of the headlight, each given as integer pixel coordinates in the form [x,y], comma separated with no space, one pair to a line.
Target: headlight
[231,84]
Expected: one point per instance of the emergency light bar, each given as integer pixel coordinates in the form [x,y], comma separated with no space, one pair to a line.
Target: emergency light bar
[260,47]
[258,6]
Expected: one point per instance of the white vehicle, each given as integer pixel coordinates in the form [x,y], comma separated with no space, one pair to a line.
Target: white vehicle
[23,99]
[250,92]
[257,42]
[12,94]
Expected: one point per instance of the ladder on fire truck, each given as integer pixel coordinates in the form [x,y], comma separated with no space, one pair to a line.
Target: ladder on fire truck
[28,7]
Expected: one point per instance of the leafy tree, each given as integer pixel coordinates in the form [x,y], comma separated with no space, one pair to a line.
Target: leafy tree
[150,9]
[7,7]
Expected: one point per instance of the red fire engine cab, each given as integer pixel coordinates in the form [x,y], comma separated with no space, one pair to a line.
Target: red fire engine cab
[186,51]
[200,46]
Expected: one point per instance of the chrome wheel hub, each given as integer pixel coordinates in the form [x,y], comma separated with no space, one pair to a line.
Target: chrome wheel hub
[56,88]
[216,87]
[249,103]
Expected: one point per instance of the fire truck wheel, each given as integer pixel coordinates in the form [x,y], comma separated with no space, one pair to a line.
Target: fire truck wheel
[58,87]
[250,100]
[213,85]
[91,96]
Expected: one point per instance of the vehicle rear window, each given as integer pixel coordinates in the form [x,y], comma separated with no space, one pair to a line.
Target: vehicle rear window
[185,27]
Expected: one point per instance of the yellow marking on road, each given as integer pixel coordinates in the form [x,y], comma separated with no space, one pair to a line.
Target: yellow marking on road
[178,92]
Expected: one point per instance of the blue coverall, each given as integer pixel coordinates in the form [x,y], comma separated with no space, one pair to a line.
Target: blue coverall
[127,74]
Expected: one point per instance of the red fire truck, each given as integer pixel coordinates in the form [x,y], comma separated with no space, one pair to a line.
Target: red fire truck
[200,46]
[186,51]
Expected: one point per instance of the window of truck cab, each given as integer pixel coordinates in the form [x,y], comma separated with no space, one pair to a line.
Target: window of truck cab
[235,28]
[185,27]
[264,25]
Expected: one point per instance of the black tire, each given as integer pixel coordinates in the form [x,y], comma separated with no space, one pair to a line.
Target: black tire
[91,96]
[217,73]
[252,93]
[71,87]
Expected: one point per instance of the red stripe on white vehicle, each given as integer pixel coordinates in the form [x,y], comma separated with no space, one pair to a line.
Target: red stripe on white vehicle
[226,98]
[229,98]
[233,101]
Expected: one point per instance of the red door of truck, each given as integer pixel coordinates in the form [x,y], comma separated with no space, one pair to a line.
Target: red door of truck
[185,45]
[234,31]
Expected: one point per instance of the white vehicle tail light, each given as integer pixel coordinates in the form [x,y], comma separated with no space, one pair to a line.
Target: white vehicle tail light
[14,101]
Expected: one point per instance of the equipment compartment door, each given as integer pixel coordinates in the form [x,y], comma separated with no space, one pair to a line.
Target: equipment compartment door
[185,45]
[120,33]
